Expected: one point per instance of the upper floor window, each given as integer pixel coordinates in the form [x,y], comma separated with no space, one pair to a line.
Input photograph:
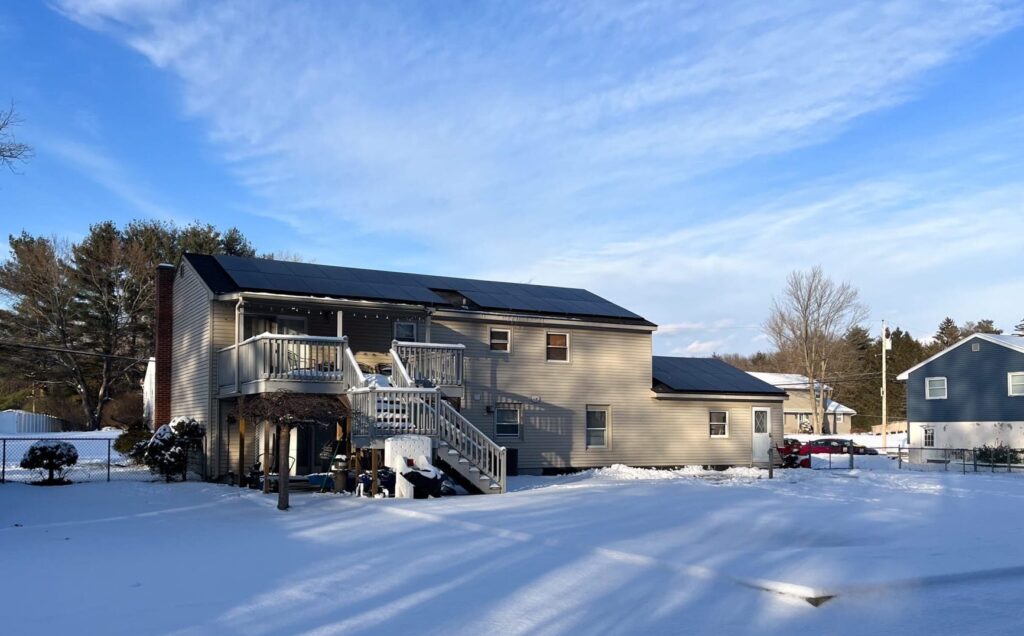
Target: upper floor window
[501,340]
[935,388]
[1015,381]
[718,424]
[507,420]
[557,347]
[405,331]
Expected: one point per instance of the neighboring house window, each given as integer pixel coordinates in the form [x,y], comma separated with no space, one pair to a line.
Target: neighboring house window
[839,419]
[935,388]
[405,331]
[501,340]
[507,420]
[929,437]
[1016,383]
[597,426]
[558,347]
[718,424]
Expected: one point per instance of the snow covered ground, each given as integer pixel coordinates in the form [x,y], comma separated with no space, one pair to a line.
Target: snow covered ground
[616,550]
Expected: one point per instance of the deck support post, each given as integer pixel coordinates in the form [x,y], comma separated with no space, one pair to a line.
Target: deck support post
[266,458]
[375,472]
[340,470]
[284,438]
[241,452]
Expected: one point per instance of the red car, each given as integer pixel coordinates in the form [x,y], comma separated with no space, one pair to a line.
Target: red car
[832,446]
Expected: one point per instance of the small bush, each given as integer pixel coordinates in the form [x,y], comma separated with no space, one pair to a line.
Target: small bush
[166,452]
[132,437]
[53,456]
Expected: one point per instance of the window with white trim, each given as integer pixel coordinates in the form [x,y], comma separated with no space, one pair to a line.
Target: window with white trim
[501,340]
[718,424]
[507,420]
[929,437]
[557,346]
[935,388]
[597,426]
[405,331]
[839,419]
[1015,383]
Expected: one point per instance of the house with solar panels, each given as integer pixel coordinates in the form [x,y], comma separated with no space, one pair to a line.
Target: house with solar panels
[504,378]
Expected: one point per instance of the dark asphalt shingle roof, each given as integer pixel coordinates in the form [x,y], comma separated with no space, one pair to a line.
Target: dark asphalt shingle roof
[706,375]
[227,274]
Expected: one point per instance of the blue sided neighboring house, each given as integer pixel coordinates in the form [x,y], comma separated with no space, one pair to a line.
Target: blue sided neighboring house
[968,395]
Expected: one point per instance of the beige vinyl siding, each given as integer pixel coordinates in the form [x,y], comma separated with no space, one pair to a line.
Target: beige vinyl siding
[224,437]
[606,366]
[372,330]
[190,349]
[190,359]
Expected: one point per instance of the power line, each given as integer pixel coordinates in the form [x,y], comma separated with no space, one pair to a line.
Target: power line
[23,345]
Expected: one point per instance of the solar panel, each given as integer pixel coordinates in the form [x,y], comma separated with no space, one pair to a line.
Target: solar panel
[348,282]
[707,375]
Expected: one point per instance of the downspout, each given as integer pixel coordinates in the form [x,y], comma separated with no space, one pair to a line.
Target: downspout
[239,314]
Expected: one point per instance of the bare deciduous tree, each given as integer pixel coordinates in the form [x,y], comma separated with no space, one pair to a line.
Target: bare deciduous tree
[807,325]
[283,410]
[11,150]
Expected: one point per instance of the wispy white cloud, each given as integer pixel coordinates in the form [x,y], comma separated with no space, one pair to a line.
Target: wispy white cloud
[566,142]
[98,166]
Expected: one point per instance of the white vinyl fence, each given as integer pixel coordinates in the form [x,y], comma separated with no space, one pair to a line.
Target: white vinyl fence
[13,422]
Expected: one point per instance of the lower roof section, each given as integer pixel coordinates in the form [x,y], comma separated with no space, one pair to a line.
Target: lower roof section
[706,376]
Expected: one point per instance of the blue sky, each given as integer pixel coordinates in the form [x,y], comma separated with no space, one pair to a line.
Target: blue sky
[677,158]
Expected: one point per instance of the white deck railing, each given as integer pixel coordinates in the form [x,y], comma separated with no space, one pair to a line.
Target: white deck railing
[431,363]
[270,357]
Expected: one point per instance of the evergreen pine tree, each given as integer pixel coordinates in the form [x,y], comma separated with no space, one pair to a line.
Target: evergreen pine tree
[1019,329]
[947,333]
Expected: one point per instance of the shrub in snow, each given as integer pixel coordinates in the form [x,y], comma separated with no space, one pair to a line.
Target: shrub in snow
[50,455]
[1000,454]
[166,452]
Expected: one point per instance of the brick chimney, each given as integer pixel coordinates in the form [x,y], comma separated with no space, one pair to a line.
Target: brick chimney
[164,318]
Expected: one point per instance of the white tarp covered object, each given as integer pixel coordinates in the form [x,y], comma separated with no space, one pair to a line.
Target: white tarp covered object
[396,450]
[149,393]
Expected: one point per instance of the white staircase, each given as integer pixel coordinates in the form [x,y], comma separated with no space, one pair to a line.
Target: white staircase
[380,412]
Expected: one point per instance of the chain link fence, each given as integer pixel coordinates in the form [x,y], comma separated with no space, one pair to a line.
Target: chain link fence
[992,459]
[98,460]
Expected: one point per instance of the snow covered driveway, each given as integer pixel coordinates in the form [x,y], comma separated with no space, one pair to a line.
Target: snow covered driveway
[612,551]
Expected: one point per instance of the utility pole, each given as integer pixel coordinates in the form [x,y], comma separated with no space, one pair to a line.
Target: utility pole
[886,346]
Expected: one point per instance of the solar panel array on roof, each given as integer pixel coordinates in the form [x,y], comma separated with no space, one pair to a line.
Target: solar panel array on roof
[707,375]
[255,274]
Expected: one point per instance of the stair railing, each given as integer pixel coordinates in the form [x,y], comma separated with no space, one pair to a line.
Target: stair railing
[462,436]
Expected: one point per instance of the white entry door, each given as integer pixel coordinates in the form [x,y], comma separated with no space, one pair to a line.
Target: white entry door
[762,430]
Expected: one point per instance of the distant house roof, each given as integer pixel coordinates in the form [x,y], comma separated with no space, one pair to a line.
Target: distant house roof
[793,381]
[228,274]
[1010,342]
[797,382]
[706,375]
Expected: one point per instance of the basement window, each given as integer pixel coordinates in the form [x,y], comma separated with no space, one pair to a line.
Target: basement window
[597,426]
[718,424]
[507,419]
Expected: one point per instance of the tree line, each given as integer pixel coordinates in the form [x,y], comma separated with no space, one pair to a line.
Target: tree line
[77,327]
[816,327]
